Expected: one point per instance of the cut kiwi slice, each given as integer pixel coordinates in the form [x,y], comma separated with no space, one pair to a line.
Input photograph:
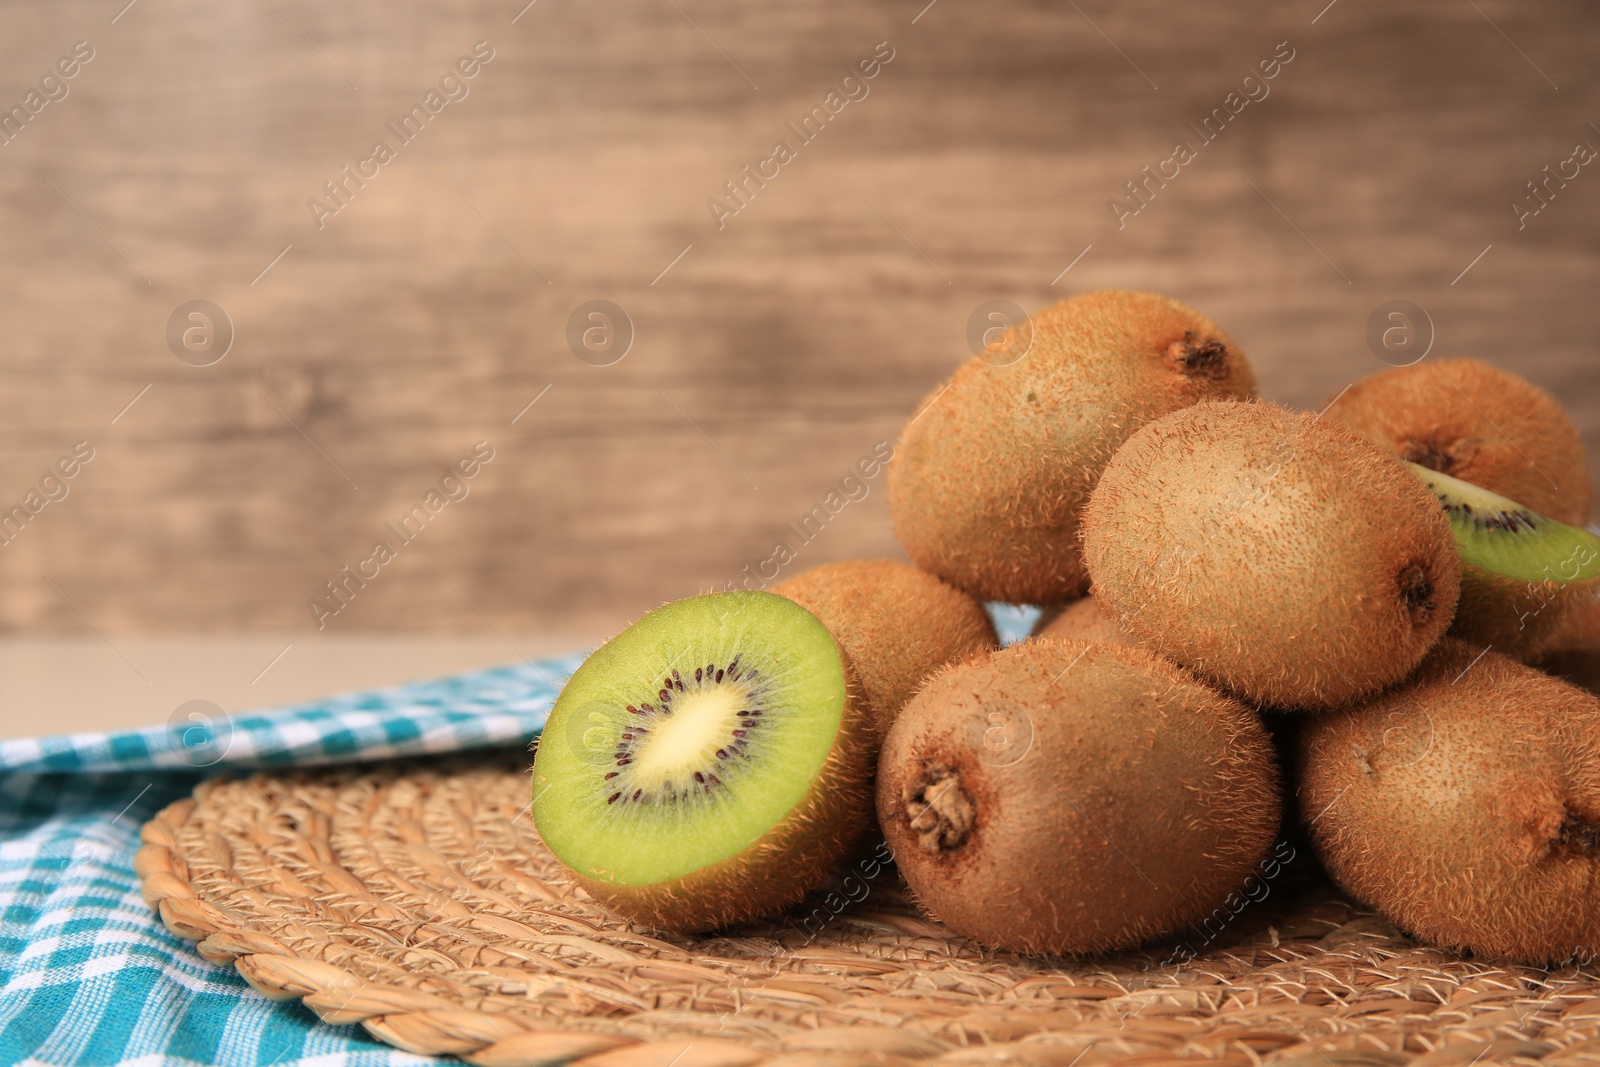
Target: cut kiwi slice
[1505,538]
[707,766]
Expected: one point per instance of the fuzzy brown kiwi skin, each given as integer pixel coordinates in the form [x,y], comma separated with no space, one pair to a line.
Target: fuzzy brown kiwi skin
[1572,653]
[1084,619]
[1515,617]
[1137,801]
[1464,806]
[1473,421]
[1281,558]
[790,860]
[991,473]
[898,625]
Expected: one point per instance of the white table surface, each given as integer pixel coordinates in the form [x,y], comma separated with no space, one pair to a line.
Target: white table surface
[53,685]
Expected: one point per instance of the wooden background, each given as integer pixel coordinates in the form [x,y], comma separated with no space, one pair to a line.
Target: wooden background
[770,357]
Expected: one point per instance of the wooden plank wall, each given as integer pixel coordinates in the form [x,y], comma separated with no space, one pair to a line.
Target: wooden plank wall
[770,353]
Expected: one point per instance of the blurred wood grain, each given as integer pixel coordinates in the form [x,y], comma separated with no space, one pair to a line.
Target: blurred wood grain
[768,355]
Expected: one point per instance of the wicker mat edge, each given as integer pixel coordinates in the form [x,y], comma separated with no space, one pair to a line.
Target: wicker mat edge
[410,1020]
[425,1023]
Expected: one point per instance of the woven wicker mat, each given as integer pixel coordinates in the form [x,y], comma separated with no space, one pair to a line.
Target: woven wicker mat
[415,899]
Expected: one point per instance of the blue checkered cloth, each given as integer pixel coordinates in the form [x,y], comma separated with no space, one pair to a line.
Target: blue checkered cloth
[90,976]
[88,973]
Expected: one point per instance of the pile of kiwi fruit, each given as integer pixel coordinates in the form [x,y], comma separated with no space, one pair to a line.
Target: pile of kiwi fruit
[1375,626]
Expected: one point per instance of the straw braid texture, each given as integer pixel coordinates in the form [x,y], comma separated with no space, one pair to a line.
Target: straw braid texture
[415,899]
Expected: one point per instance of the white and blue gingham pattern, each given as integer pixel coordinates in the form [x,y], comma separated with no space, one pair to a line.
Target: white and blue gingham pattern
[492,707]
[89,975]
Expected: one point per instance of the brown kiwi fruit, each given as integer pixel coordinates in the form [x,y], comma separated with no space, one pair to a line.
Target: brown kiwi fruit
[1083,619]
[1464,806]
[1573,653]
[1516,618]
[1282,558]
[1065,797]
[1475,422]
[897,625]
[990,475]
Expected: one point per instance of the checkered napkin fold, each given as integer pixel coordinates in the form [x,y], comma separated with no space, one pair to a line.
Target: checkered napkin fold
[88,975]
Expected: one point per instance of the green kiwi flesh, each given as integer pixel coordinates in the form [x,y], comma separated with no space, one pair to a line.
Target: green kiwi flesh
[1524,576]
[708,765]
[1505,538]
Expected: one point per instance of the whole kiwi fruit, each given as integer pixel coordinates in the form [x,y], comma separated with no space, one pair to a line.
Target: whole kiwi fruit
[1464,806]
[1473,421]
[990,475]
[1084,619]
[1282,558]
[709,765]
[1065,797]
[896,624]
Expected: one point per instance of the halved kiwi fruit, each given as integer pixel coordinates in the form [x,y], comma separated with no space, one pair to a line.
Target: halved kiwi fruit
[990,475]
[1524,575]
[1464,805]
[1066,797]
[1473,421]
[897,625]
[1284,559]
[707,766]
